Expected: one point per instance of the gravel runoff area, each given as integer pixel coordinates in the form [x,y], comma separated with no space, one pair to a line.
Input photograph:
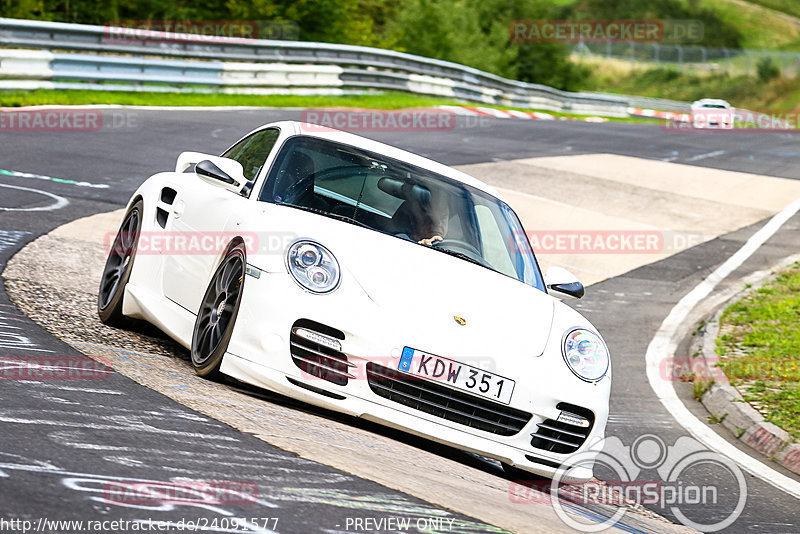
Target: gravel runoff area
[53,280]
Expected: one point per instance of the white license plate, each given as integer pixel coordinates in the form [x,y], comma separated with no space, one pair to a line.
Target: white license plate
[458,375]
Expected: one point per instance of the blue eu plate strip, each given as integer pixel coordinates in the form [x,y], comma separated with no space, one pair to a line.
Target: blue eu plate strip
[405,359]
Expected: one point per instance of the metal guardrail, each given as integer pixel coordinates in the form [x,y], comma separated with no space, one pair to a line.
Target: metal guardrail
[646,102]
[82,53]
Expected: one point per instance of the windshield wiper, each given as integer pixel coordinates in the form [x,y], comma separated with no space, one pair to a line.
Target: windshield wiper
[345,218]
[336,216]
[462,256]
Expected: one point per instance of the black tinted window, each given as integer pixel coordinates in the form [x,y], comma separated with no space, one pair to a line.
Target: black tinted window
[252,151]
[400,199]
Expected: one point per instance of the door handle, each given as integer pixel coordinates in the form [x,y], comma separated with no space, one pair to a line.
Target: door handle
[177,209]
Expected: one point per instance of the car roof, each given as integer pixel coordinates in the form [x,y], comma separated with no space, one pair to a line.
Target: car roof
[331,134]
[711,101]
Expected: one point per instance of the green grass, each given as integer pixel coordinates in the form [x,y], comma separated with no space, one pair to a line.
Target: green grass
[389,100]
[760,29]
[762,354]
[790,7]
[700,387]
[742,91]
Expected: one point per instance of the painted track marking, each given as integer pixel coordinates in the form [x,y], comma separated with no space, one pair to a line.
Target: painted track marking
[706,155]
[59,203]
[664,345]
[19,174]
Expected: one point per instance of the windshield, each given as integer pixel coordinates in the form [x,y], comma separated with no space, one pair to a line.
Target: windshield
[404,201]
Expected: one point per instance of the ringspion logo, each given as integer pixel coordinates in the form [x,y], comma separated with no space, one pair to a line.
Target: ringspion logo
[684,478]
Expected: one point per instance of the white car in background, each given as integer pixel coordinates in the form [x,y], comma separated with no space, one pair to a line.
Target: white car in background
[367,280]
[712,113]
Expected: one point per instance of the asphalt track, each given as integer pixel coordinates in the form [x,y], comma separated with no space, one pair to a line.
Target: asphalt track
[135,144]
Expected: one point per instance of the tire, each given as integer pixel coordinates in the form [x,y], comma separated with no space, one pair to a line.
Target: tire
[119,265]
[218,311]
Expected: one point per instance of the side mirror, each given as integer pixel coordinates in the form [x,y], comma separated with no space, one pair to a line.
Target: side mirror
[209,170]
[215,170]
[563,283]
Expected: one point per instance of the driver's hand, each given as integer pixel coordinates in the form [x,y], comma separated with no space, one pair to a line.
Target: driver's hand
[431,240]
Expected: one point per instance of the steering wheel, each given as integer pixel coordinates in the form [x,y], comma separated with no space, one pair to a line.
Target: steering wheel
[457,243]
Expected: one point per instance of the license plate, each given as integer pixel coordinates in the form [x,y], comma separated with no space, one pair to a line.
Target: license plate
[458,375]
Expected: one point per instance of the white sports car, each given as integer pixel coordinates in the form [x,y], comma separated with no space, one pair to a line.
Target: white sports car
[368,280]
[712,113]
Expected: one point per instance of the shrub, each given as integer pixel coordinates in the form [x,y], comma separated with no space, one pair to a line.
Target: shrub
[767,70]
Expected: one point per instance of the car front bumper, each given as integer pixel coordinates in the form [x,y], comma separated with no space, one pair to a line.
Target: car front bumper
[260,354]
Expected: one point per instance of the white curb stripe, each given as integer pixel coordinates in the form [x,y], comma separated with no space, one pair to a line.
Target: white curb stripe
[458,110]
[519,114]
[663,345]
[482,111]
[58,202]
[499,113]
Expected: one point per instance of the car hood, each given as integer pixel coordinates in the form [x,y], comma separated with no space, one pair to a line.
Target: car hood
[428,291]
[437,292]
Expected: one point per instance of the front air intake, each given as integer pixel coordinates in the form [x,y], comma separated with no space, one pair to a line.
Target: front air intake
[313,347]
[445,402]
[566,434]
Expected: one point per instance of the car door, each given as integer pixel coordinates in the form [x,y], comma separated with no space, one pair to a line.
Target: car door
[205,217]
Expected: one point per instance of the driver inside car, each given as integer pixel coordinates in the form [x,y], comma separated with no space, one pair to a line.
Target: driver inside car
[429,218]
[423,216]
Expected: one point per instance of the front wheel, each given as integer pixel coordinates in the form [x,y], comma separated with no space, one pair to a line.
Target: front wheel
[119,265]
[217,315]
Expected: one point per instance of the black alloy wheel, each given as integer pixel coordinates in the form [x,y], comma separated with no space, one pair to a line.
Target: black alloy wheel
[119,265]
[217,315]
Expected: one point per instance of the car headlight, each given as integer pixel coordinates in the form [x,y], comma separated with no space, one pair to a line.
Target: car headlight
[586,354]
[313,266]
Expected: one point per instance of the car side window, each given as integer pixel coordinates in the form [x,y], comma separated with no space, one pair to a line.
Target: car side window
[252,151]
[493,240]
